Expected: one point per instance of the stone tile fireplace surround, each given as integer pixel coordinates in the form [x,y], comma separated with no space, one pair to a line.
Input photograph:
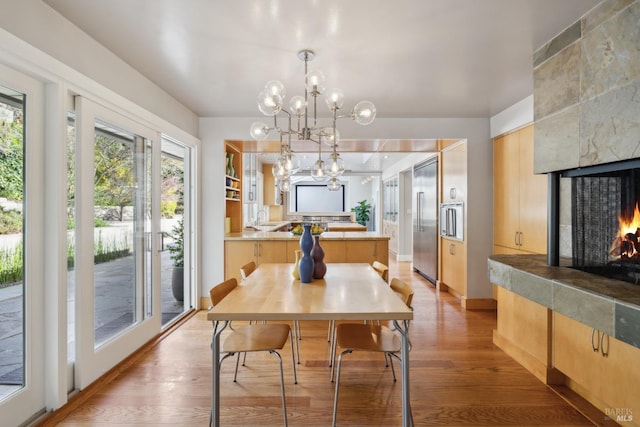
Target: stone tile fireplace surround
[586,113]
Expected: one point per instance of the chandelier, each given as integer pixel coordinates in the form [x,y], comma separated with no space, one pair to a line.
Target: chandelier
[270,103]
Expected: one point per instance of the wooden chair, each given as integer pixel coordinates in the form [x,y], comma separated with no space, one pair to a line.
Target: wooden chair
[370,337]
[382,270]
[247,269]
[258,337]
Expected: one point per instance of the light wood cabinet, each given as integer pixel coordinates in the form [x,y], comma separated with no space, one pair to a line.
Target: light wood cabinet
[533,348]
[454,266]
[454,174]
[453,253]
[233,186]
[609,382]
[520,196]
[239,252]
[367,251]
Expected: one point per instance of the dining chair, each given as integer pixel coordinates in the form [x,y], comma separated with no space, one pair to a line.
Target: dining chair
[370,337]
[245,271]
[252,338]
[382,270]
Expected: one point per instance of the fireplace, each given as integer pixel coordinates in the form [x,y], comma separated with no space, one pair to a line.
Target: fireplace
[606,220]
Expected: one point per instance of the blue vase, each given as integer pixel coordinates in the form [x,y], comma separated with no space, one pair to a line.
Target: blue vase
[305,266]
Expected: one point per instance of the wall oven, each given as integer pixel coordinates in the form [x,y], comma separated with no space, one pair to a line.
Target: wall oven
[451,220]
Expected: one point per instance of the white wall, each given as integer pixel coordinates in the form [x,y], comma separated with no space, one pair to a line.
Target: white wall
[43,28]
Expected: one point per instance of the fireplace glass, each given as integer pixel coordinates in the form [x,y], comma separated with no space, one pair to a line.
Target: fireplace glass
[605,222]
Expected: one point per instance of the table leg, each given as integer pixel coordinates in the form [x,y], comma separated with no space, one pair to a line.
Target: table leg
[407,420]
[214,418]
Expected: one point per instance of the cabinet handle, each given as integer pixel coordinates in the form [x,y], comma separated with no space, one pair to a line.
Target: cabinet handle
[259,249]
[594,340]
[452,193]
[255,249]
[520,239]
[452,249]
[602,350]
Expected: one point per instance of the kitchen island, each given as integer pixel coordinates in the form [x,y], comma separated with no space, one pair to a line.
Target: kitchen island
[278,247]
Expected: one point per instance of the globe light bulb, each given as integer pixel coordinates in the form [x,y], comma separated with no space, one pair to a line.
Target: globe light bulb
[297,105]
[314,81]
[275,87]
[335,165]
[334,98]
[279,170]
[259,131]
[331,136]
[333,185]
[269,104]
[318,171]
[364,112]
[284,185]
[291,163]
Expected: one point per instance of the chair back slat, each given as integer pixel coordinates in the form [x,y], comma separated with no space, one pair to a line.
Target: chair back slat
[218,292]
[403,290]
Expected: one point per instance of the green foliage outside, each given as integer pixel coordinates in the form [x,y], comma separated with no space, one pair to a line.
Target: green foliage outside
[176,249]
[11,265]
[11,156]
[10,222]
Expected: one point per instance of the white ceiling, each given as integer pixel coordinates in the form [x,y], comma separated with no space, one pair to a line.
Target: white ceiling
[411,58]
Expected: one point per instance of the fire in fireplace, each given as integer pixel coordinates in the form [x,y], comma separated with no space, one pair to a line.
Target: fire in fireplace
[606,220]
[625,247]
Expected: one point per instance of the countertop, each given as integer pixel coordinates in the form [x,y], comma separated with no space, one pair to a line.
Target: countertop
[327,235]
[609,305]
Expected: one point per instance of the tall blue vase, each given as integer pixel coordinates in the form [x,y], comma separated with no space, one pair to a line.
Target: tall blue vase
[305,266]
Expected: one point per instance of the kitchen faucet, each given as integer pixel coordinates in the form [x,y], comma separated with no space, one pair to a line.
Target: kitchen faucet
[264,214]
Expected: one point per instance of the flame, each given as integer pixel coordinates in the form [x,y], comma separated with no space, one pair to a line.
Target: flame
[626,245]
[629,225]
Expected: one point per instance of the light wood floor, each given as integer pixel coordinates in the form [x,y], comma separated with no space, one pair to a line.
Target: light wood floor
[458,378]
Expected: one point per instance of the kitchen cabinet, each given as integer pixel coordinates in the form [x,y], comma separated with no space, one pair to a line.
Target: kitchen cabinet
[233,186]
[280,248]
[599,368]
[453,253]
[453,273]
[454,173]
[367,251]
[239,252]
[520,196]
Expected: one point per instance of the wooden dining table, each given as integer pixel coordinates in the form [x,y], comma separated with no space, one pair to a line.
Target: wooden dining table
[347,292]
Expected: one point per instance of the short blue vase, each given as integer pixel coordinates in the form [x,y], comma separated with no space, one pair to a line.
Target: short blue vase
[306,264]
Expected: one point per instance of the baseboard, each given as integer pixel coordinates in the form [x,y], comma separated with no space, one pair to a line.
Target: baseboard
[478,303]
[205,303]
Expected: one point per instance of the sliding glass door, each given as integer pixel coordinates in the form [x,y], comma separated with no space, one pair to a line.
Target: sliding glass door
[22,219]
[116,305]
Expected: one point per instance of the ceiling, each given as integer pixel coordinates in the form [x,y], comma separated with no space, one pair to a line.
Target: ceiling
[411,58]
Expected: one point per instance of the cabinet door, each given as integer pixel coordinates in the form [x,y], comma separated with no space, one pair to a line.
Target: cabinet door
[334,250]
[532,199]
[505,190]
[454,266]
[360,251]
[607,382]
[454,173]
[271,252]
[236,254]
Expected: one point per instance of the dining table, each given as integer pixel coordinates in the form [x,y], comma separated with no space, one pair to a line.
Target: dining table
[348,291]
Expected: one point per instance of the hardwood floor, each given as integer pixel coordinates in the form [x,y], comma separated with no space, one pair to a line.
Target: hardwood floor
[458,378]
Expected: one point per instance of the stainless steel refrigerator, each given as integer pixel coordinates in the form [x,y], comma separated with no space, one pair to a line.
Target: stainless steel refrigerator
[425,219]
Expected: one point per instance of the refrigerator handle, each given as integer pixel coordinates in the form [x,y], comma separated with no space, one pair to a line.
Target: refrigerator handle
[419,197]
